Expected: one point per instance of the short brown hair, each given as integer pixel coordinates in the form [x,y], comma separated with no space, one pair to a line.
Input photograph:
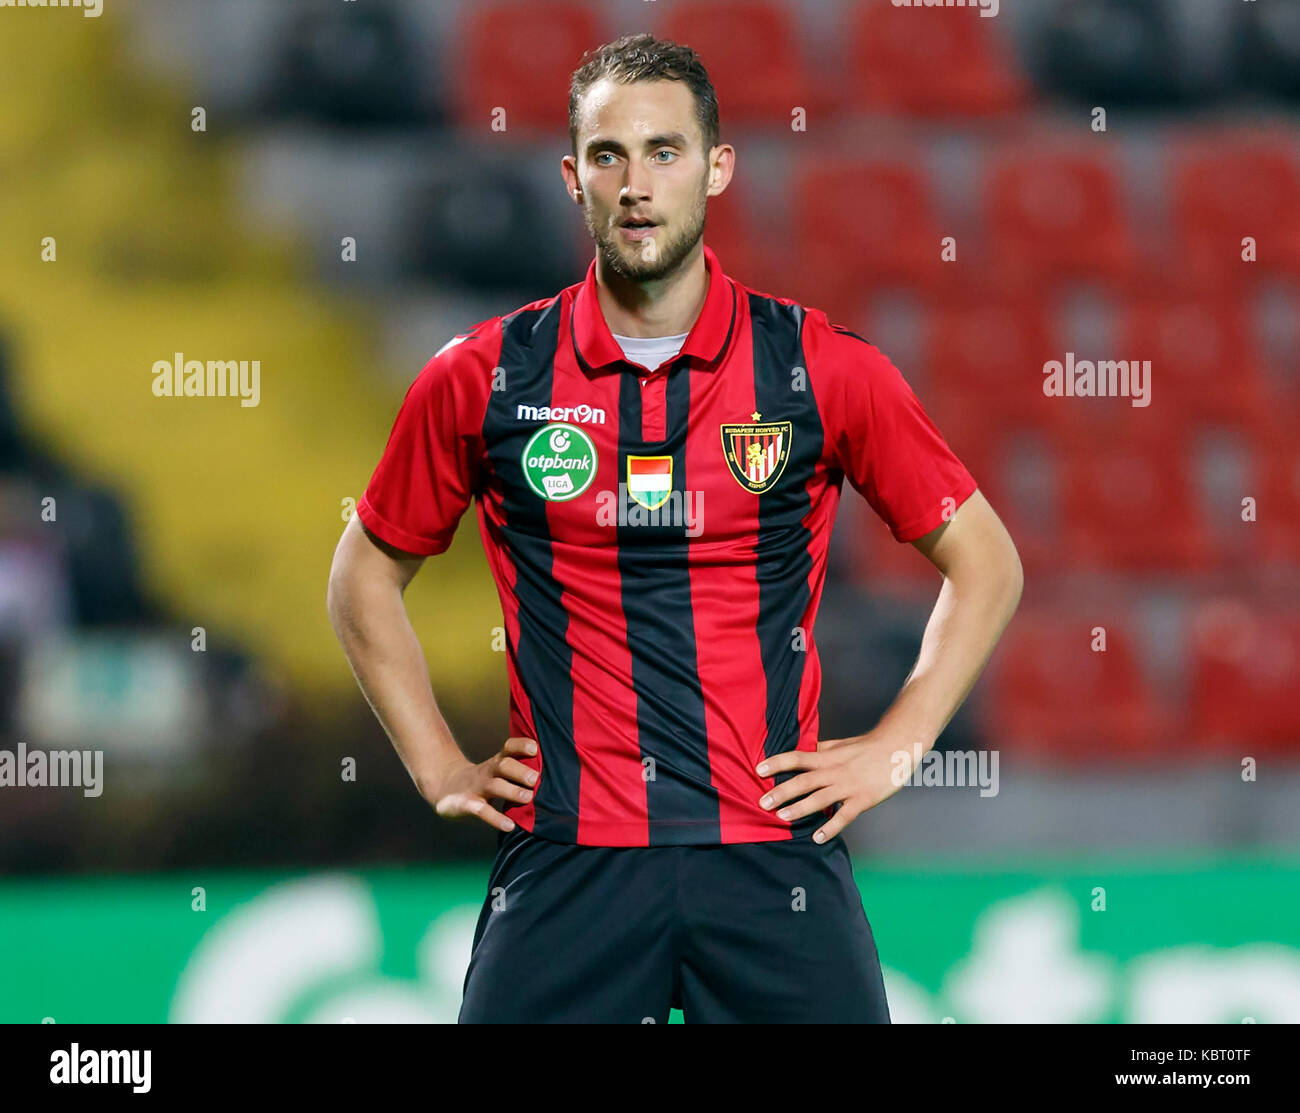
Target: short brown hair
[642,57]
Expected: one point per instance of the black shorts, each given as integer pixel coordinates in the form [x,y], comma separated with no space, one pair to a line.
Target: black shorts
[758,932]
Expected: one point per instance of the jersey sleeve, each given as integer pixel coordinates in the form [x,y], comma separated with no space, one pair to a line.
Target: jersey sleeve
[430,468]
[885,443]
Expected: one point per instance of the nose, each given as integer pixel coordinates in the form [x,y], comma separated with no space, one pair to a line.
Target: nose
[637,186]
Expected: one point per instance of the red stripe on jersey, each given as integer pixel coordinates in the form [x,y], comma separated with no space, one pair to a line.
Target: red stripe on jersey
[819,520]
[728,654]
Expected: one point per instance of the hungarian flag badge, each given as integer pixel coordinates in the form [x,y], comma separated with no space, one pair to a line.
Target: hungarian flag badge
[649,479]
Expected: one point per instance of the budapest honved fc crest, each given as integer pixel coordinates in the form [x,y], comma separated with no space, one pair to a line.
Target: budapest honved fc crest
[756,451]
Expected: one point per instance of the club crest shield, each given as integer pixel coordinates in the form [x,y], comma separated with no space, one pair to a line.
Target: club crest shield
[756,452]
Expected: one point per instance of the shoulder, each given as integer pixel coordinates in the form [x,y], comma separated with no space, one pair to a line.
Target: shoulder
[463,365]
[457,378]
[466,349]
[464,369]
[480,346]
[814,324]
[837,345]
[830,347]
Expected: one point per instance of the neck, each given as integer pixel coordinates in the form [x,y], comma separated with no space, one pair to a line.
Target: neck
[662,307]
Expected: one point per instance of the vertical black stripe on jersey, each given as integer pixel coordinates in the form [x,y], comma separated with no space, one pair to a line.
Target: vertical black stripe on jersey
[782,557]
[543,657]
[655,575]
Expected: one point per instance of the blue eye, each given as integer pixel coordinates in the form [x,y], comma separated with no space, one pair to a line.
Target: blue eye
[665,151]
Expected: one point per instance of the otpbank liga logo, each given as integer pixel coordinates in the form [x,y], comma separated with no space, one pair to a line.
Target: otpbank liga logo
[559,462]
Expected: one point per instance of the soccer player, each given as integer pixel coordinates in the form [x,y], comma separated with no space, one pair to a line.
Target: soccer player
[656,454]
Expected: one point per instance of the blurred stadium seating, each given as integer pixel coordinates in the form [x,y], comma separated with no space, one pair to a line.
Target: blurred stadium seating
[375,121]
[372,177]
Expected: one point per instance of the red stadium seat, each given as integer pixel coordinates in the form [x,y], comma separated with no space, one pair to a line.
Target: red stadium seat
[1245,676]
[1277,510]
[729,230]
[1130,506]
[1052,695]
[973,426]
[861,225]
[1113,421]
[520,56]
[1225,192]
[1024,487]
[1005,441]
[926,62]
[1017,466]
[1205,362]
[1056,216]
[885,566]
[989,356]
[751,48]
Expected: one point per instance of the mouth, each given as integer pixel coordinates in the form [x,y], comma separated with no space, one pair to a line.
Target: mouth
[636,229]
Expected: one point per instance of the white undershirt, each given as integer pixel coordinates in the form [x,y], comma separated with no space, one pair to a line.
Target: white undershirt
[650,351]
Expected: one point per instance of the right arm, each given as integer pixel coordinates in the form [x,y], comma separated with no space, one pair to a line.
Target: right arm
[365,600]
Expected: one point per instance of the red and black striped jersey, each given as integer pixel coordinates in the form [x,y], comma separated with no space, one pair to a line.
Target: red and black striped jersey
[658,538]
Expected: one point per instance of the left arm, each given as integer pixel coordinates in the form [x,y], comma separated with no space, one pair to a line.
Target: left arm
[982,581]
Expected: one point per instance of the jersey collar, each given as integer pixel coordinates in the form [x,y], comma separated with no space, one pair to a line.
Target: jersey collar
[597,349]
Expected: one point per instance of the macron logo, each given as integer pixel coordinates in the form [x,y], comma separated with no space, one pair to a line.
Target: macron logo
[579,415]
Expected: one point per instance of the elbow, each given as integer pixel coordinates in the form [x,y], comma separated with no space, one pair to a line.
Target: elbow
[337,594]
[1013,578]
[334,599]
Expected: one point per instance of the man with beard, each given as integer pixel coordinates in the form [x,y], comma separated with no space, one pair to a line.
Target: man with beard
[670,825]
